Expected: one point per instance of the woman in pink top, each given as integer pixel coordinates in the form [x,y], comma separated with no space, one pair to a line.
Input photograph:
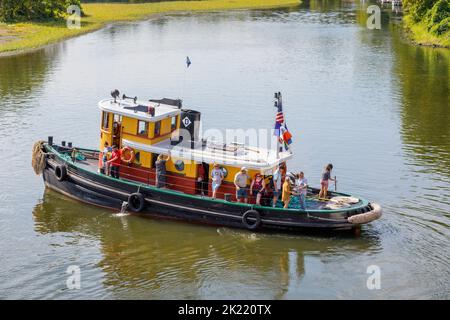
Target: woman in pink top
[257,187]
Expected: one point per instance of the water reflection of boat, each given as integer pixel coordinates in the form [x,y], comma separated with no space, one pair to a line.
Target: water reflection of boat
[147,130]
[146,255]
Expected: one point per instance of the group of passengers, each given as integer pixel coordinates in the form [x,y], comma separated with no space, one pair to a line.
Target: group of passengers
[281,183]
[297,185]
[257,186]
[286,185]
[111,160]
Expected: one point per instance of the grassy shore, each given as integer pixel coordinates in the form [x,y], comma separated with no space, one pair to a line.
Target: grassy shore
[18,37]
[419,33]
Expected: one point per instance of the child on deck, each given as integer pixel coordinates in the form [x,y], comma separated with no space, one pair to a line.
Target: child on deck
[324,181]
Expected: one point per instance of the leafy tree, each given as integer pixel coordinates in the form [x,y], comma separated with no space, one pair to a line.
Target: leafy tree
[32,10]
[438,18]
[435,14]
[418,8]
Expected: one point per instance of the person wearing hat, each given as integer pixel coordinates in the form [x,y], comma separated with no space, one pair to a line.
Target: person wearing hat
[241,182]
[217,177]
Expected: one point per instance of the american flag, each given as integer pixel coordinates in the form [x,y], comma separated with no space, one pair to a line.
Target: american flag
[279,118]
[281,130]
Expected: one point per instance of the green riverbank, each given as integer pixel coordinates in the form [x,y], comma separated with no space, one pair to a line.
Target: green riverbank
[19,37]
[428,22]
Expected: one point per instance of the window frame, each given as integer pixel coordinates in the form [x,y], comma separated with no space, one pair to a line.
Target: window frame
[147,125]
[137,156]
[119,118]
[106,128]
[157,125]
[173,126]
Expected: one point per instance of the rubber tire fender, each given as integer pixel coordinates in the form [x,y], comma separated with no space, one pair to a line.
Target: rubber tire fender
[61,172]
[136,202]
[251,213]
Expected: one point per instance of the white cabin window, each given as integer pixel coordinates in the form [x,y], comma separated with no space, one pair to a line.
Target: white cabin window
[117,118]
[173,124]
[142,128]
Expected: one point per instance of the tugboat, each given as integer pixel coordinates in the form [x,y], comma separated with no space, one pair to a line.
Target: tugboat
[146,130]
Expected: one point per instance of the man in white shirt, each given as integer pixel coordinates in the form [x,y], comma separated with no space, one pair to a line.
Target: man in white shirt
[241,182]
[277,179]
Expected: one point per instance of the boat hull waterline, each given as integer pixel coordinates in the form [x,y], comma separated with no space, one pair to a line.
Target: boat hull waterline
[74,181]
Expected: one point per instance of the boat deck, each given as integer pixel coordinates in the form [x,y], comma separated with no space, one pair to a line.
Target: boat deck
[90,163]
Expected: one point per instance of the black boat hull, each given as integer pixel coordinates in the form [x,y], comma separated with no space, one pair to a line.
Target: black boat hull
[100,190]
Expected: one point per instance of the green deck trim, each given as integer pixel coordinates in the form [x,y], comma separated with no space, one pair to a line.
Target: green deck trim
[167,191]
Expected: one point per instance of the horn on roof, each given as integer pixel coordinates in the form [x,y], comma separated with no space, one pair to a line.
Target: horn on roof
[131,98]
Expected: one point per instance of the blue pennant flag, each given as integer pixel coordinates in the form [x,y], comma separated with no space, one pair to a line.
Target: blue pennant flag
[188,62]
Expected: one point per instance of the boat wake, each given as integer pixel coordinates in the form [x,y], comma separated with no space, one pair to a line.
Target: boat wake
[120,214]
[244,235]
[123,210]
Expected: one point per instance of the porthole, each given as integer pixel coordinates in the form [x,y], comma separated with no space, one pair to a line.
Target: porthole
[225,172]
[179,165]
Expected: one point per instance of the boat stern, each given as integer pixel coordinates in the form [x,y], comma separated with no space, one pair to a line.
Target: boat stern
[363,218]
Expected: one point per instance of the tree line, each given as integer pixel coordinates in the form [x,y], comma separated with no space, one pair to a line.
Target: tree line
[34,10]
[435,14]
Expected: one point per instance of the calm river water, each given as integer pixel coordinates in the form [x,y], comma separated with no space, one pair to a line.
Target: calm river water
[367,100]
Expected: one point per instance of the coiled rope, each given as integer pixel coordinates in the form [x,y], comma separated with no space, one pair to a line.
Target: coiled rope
[38,157]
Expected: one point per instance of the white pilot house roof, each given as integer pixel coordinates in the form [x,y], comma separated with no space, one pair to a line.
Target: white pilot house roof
[139,109]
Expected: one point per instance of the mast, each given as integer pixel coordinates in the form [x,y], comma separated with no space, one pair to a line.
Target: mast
[279,105]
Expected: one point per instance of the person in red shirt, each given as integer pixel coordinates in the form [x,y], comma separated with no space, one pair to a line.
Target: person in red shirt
[114,162]
[202,187]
